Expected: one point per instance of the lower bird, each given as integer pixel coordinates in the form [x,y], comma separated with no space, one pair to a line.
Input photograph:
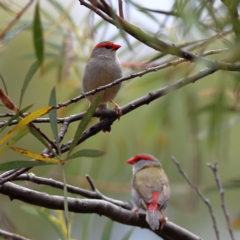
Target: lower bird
[150,188]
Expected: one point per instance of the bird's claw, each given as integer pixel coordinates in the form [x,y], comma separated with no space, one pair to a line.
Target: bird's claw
[136,211]
[117,110]
[163,221]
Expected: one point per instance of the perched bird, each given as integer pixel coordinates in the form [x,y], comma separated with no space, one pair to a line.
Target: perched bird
[103,67]
[150,188]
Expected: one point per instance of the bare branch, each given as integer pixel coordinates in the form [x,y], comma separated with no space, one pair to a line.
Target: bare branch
[94,194]
[10,175]
[12,236]
[214,168]
[101,207]
[205,200]
[120,6]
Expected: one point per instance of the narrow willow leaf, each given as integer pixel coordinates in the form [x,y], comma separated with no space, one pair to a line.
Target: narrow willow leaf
[47,215]
[38,36]
[53,118]
[21,164]
[51,220]
[16,116]
[26,121]
[107,230]
[83,124]
[37,135]
[87,153]
[66,212]
[29,209]
[128,234]
[62,10]
[14,32]
[34,155]
[19,135]
[32,70]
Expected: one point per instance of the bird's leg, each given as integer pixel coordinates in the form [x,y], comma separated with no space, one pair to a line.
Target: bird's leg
[117,109]
[163,220]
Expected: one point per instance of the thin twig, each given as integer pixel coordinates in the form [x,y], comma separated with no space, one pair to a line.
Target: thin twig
[12,236]
[90,181]
[44,136]
[170,13]
[63,130]
[120,7]
[214,168]
[205,200]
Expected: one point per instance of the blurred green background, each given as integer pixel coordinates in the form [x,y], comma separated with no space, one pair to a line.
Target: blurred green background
[197,124]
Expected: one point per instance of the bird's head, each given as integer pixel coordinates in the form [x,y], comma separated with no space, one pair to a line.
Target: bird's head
[107,49]
[143,160]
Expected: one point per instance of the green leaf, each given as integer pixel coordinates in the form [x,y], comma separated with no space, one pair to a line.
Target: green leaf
[19,135]
[62,10]
[37,135]
[83,124]
[16,116]
[53,118]
[87,153]
[47,216]
[13,33]
[128,234]
[38,36]
[107,230]
[21,164]
[32,70]
[66,212]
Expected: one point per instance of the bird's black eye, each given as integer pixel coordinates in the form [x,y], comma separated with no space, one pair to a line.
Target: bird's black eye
[107,47]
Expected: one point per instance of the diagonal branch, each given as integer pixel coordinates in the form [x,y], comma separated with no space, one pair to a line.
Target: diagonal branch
[11,236]
[101,207]
[93,130]
[214,168]
[156,43]
[94,194]
[205,200]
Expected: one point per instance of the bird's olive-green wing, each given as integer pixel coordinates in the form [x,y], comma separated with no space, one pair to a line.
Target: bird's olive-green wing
[148,180]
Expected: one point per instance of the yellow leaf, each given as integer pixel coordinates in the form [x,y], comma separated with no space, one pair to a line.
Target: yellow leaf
[34,155]
[26,121]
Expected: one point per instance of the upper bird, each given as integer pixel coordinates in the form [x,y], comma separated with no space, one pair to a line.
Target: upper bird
[150,188]
[103,67]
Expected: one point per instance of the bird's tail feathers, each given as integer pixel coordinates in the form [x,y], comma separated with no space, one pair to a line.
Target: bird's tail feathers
[152,218]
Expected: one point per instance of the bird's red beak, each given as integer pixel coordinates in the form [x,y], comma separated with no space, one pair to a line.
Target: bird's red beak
[131,160]
[115,47]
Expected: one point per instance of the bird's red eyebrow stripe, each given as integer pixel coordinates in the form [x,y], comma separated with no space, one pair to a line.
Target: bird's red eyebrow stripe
[144,157]
[104,44]
[109,44]
[139,157]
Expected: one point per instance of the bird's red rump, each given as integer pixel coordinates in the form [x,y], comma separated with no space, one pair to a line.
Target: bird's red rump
[153,205]
[139,157]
